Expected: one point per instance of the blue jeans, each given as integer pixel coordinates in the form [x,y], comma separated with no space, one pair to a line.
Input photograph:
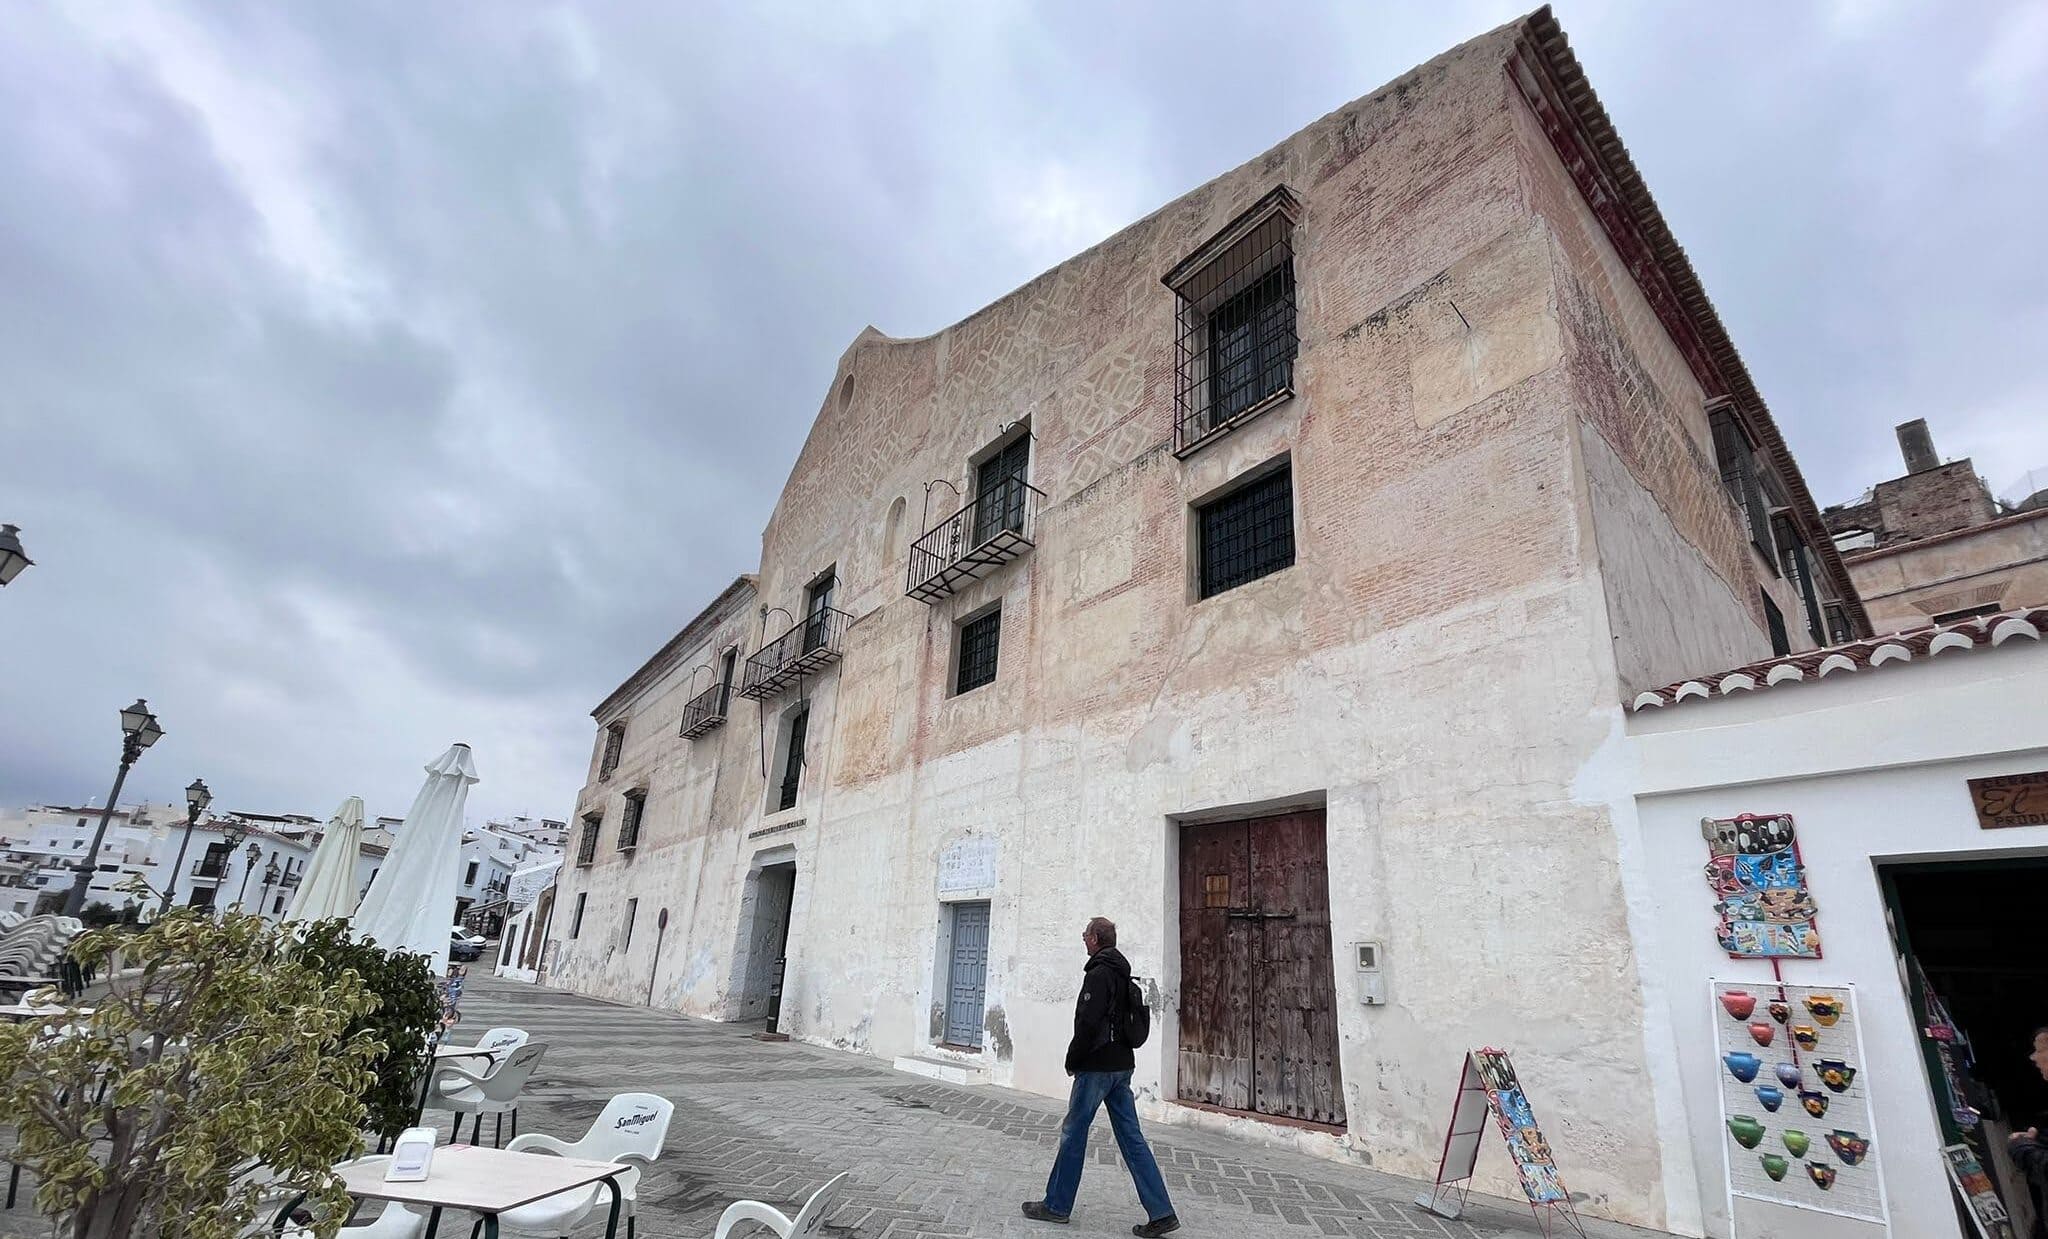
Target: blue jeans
[1113,1090]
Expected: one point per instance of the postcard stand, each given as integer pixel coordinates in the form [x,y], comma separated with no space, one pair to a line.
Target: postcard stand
[1489,1086]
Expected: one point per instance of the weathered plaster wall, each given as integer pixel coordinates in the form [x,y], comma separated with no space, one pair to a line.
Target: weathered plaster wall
[1679,572]
[2003,564]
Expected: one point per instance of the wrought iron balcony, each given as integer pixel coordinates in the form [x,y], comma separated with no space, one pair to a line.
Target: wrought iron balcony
[210,867]
[994,528]
[810,644]
[705,711]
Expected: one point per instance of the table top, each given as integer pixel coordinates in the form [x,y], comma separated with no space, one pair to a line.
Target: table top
[464,1176]
[24,1011]
[459,1051]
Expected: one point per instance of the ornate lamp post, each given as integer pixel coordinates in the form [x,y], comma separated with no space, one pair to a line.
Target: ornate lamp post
[255,853]
[232,832]
[139,730]
[270,875]
[196,800]
[12,558]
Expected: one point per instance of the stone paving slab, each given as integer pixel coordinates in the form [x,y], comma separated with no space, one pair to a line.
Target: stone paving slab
[772,1121]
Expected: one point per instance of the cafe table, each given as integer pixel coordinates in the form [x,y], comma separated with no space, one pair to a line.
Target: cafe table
[482,1181]
[16,1012]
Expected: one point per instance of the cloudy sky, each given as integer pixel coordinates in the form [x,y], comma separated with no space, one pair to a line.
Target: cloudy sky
[377,375]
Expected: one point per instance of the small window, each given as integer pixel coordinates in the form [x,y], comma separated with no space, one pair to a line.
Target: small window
[999,491]
[614,741]
[632,910]
[1735,453]
[469,878]
[818,610]
[793,761]
[277,906]
[978,640]
[1839,629]
[1216,890]
[1781,644]
[576,921]
[1248,533]
[586,846]
[629,821]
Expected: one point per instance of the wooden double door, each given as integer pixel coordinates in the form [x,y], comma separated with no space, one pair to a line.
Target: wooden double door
[1258,1010]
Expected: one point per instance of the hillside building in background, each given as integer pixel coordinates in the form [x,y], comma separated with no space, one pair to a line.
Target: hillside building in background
[1266,578]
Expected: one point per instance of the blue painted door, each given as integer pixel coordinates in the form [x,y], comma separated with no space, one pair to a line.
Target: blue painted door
[967,977]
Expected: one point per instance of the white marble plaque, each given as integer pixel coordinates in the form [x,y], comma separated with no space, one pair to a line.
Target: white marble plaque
[969,865]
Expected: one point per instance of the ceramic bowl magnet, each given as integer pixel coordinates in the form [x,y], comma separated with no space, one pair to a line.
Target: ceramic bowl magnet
[1772,1097]
[1823,1176]
[1835,1073]
[1746,1130]
[1796,1141]
[1742,1064]
[1737,1003]
[1780,1010]
[1774,1166]
[1806,1036]
[1761,1033]
[1848,1146]
[1825,1010]
[1815,1101]
[1788,1074]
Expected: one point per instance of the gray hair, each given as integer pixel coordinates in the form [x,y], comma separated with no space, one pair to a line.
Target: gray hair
[1104,931]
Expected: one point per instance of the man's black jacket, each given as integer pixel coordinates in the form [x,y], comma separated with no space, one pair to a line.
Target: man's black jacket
[1095,1047]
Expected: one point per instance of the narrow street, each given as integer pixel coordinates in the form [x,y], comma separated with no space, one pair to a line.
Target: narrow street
[772,1121]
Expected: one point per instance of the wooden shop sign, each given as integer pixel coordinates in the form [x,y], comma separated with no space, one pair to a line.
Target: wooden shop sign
[2011,800]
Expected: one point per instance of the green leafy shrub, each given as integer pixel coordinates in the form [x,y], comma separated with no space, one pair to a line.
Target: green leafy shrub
[408,1009]
[233,1071]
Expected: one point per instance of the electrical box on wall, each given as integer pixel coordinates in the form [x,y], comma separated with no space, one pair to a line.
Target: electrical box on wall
[1372,981]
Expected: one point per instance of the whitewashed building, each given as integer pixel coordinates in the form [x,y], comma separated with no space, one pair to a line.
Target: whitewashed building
[1265,578]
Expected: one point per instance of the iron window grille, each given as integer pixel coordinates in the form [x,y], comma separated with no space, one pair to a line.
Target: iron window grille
[793,762]
[629,821]
[1236,340]
[1735,453]
[214,864]
[586,845]
[1248,533]
[810,644]
[1774,619]
[979,639]
[1839,629]
[1796,561]
[614,743]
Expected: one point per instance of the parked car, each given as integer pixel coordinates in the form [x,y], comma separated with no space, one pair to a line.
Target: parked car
[464,947]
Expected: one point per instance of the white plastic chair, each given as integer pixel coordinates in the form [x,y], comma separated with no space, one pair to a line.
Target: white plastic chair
[490,1048]
[804,1225]
[630,1130]
[493,1092]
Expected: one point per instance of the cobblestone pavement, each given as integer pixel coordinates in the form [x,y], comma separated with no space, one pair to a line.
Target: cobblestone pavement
[772,1121]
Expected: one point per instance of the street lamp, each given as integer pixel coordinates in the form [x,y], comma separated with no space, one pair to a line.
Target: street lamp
[254,854]
[12,558]
[232,831]
[139,730]
[270,876]
[196,800]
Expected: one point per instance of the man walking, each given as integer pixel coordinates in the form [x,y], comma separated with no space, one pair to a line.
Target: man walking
[1100,1061]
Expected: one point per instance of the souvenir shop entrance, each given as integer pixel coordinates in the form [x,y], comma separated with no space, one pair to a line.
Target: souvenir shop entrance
[1972,939]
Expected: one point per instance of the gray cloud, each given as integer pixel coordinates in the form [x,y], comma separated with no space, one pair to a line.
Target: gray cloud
[379,376]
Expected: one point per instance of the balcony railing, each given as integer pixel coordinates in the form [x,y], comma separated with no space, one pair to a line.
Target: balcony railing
[210,867]
[994,528]
[705,711]
[812,643]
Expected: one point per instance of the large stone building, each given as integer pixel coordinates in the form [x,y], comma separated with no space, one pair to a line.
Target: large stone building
[1310,534]
[1934,546]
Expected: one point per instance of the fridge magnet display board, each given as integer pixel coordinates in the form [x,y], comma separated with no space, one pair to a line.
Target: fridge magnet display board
[1489,1088]
[1796,1125]
[1759,886]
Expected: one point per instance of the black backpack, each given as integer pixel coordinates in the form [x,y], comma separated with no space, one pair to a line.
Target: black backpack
[1132,1021]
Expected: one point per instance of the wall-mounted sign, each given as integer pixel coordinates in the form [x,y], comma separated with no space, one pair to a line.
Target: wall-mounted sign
[2011,800]
[969,865]
[1759,884]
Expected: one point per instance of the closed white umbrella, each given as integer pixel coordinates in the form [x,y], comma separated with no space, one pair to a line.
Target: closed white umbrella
[328,887]
[411,903]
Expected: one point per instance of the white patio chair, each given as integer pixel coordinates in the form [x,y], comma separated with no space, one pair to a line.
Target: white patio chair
[630,1130]
[490,1047]
[803,1226]
[493,1092]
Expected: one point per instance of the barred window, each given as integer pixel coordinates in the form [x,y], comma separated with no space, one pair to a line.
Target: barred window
[586,846]
[1781,644]
[614,741]
[979,638]
[1735,453]
[629,821]
[1236,340]
[576,922]
[1248,533]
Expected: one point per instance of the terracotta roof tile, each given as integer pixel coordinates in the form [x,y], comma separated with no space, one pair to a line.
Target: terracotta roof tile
[1980,633]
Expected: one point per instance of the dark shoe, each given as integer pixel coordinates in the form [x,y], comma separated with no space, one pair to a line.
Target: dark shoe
[1156,1227]
[1037,1212]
